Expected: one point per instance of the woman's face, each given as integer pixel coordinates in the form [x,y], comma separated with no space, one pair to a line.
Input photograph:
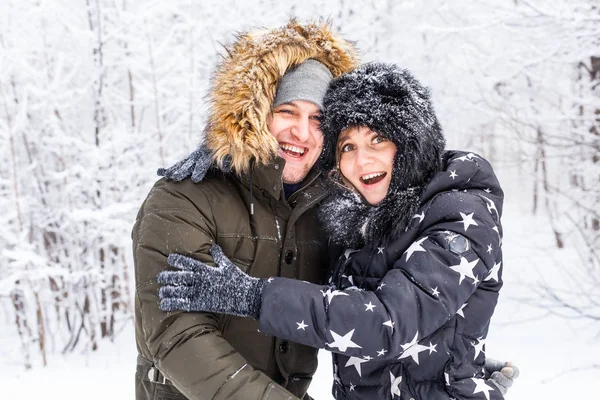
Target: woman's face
[366,160]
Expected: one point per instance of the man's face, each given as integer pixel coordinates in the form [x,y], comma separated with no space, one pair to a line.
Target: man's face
[295,125]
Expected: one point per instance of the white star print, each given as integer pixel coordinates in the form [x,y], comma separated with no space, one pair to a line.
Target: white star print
[380,250]
[420,216]
[460,310]
[370,306]
[469,157]
[432,347]
[481,387]
[415,247]
[368,358]
[494,272]
[381,352]
[491,206]
[412,349]
[453,174]
[447,378]
[489,249]
[332,293]
[381,286]
[465,269]
[436,292]
[495,228]
[301,325]
[349,252]
[270,280]
[355,362]
[352,387]
[390,324]
[395,390]
[476,281]
[478,347]
[467,221]
[343,342]
[487,190]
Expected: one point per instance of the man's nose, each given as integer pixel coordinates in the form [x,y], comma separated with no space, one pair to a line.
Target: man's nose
[301,129]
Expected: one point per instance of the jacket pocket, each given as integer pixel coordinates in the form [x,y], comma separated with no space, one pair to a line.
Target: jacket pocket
[276,392]
[167,392]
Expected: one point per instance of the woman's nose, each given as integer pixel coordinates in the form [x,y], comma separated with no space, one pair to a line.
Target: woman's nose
[364,156]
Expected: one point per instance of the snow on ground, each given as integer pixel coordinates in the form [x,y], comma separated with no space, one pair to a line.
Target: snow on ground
[552,353]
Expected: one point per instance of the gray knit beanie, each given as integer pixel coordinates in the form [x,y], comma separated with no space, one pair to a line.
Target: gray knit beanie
[307,81]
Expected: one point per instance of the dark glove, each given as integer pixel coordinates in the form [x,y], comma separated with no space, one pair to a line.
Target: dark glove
[195,165]
[196,286]
[501,374]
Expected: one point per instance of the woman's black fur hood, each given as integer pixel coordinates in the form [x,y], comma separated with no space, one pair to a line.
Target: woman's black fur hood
[391,102]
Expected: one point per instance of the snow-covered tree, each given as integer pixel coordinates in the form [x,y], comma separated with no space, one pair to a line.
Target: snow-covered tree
[96,95]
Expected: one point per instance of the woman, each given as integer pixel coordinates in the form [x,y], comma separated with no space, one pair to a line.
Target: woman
[412,292]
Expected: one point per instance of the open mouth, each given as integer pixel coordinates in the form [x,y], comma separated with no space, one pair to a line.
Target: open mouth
[371,179]
[292,151]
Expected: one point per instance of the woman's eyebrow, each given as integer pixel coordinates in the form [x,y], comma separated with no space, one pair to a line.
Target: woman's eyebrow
[343,137]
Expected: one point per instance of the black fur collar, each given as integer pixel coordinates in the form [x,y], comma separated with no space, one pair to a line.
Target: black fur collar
[350,221]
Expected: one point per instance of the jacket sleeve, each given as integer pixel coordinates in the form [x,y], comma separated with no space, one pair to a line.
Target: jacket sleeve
[427,286]
[187,348]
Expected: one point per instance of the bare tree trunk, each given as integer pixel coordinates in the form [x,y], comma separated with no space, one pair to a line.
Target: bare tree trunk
[156,103]
[41,327]
[13,156]
[21,321]
[131,99]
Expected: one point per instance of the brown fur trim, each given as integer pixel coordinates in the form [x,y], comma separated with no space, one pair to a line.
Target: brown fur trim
[245,84]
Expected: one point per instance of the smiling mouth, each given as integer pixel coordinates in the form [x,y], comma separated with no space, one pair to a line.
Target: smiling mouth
[292,151]
[371,179]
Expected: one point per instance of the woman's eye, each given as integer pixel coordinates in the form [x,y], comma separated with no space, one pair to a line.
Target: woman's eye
[379,139]
[345,148]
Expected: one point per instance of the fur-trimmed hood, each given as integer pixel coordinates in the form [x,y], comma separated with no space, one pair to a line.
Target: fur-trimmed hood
[245,83]
[391,102]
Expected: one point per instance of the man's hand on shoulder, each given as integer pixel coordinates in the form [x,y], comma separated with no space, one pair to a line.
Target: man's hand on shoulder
[194,166]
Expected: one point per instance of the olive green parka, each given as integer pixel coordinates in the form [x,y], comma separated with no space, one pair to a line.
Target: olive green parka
[210,356]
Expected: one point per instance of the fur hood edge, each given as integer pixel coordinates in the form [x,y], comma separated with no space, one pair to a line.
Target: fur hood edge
[245,83]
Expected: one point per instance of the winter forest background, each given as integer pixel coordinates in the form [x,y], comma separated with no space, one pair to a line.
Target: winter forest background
[95,95]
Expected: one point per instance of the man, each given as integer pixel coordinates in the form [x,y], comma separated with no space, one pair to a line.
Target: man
[259,206]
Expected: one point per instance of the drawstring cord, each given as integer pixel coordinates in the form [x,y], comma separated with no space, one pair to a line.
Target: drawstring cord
[251,199]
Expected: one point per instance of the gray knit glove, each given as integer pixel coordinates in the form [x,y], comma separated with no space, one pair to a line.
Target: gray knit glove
[501,374]
[196,165]
[196,286]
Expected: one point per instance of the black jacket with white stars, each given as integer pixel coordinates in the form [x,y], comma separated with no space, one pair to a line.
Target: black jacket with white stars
[406,314]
